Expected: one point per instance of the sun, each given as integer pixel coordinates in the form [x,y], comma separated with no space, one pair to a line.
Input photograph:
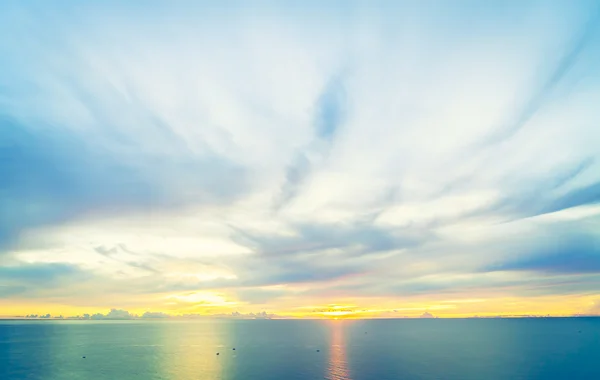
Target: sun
[335,314]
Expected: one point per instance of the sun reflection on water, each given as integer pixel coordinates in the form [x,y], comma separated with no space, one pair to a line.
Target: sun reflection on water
[338,364]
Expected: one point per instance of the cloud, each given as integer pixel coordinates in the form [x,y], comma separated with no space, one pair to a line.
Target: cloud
[330,109]
[354,238]
[295,175]
[7,291]
[559,254]
[260,296]
[153,315]
[582,196]
[563,66]
[238,315]
[122,255]
[51,177]
[244,160]
[329,116]
[106,251]
[114,314]
[26,279]
[316,253]
[118,314]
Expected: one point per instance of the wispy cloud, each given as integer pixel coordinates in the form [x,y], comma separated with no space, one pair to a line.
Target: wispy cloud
[234,159]
[562,253]
[329,113]
[582,40]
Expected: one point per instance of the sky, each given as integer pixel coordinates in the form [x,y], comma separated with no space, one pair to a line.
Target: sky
[303,159]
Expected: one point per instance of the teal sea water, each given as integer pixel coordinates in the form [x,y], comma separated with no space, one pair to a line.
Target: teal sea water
[539,348]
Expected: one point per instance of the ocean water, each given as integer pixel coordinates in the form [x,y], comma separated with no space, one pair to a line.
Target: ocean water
[292,349]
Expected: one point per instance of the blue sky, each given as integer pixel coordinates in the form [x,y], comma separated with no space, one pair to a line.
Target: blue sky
[192,157]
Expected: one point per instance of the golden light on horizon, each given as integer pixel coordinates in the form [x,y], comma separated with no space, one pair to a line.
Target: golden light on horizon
[223,302]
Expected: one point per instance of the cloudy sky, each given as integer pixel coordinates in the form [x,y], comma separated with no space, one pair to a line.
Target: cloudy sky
[383,159]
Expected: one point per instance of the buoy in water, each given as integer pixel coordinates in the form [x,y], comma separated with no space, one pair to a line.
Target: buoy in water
[83,357]
[234,348]
[217,353]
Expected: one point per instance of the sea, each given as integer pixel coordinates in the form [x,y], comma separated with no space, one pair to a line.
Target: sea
[524,348]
